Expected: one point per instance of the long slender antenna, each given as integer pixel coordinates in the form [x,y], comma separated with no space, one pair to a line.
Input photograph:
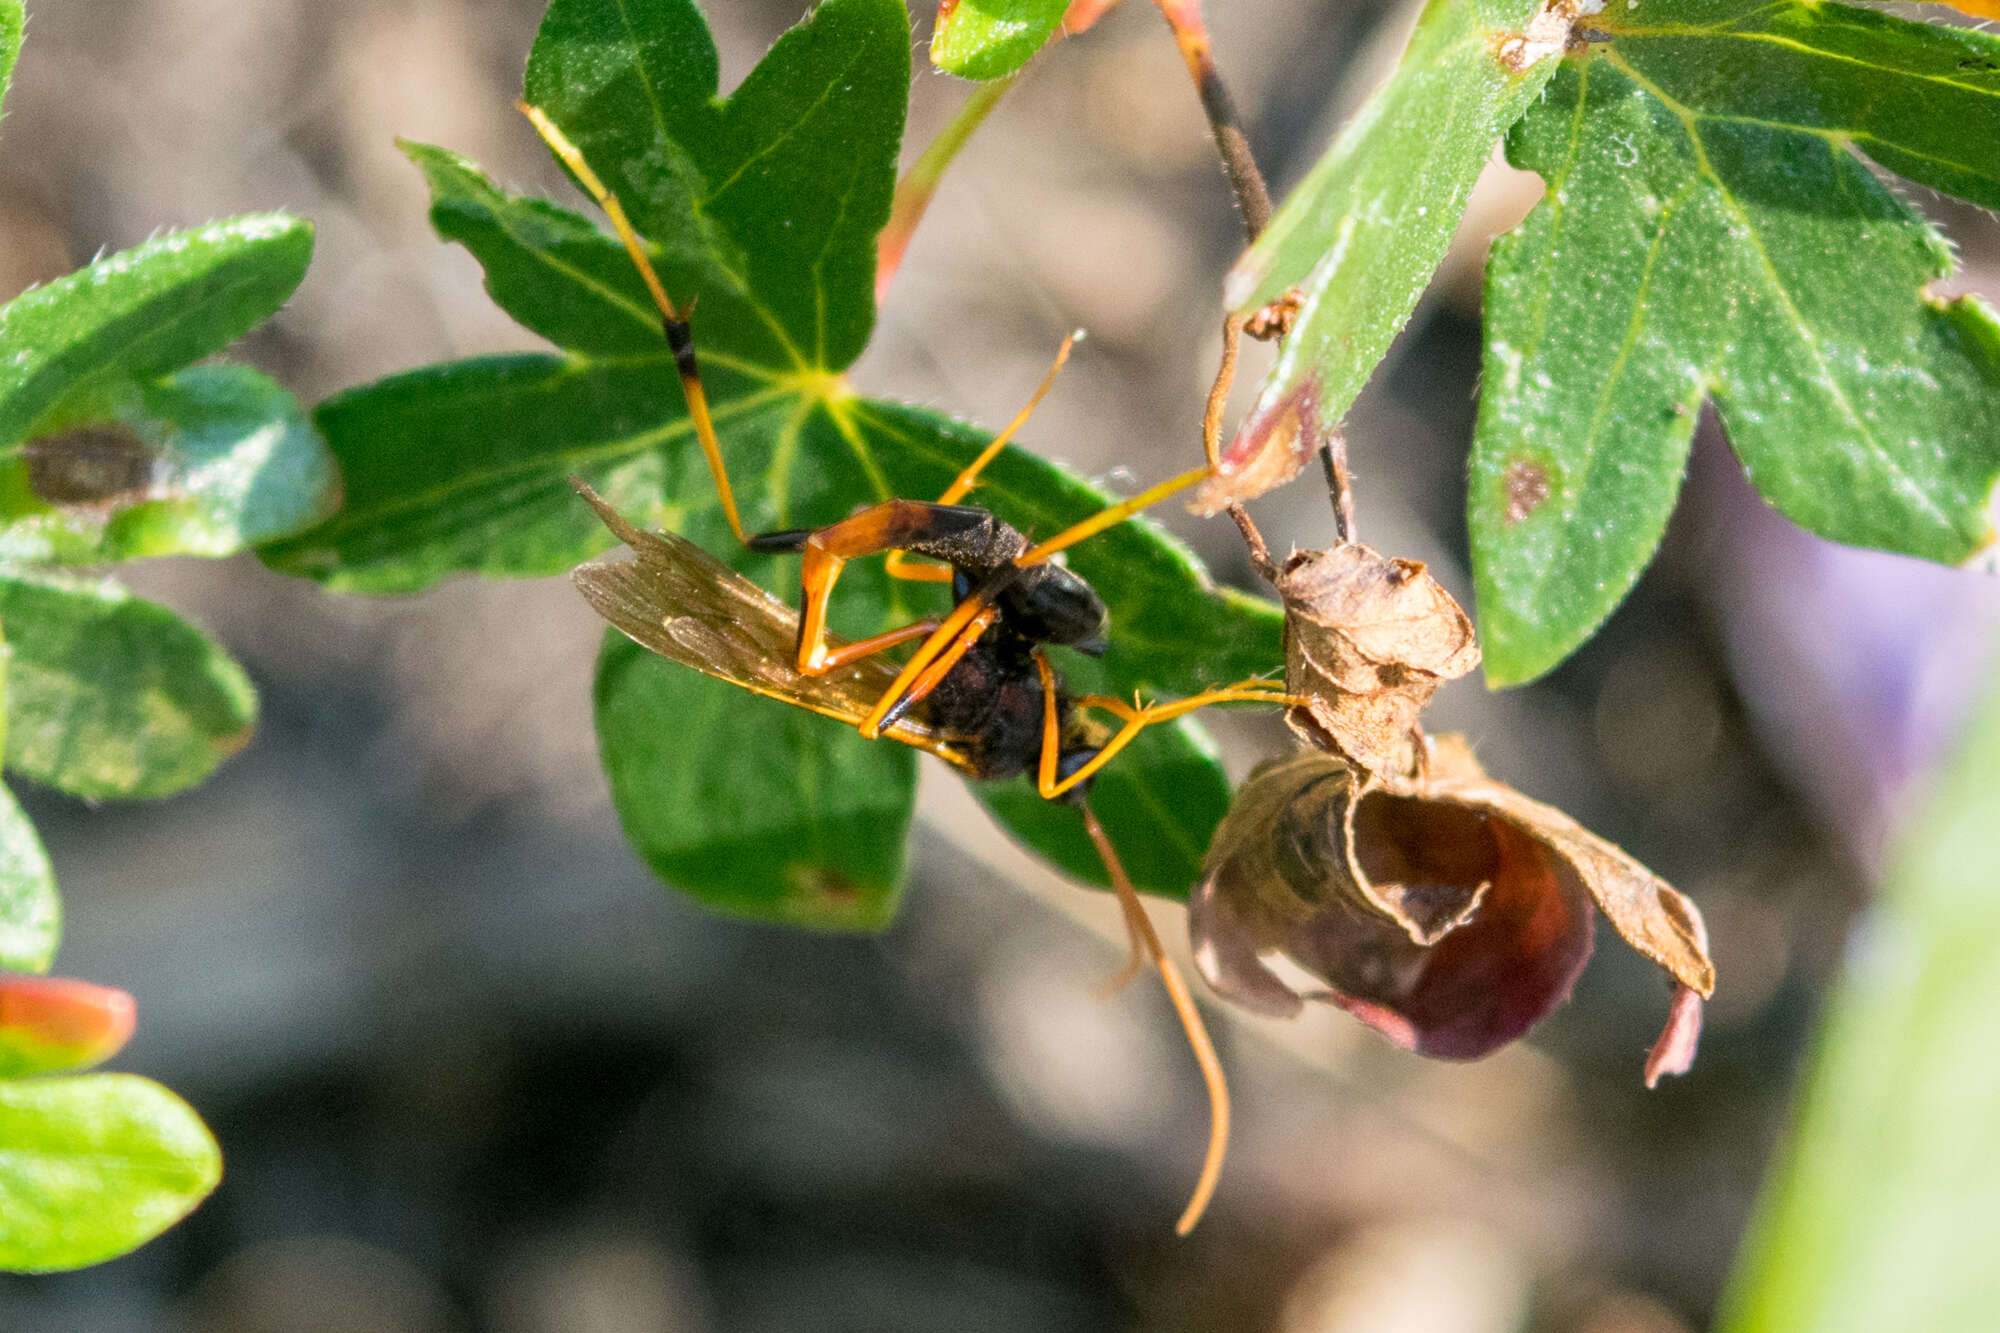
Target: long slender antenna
[673,319]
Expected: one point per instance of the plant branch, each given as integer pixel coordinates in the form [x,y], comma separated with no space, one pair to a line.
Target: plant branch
[1253,198]
[920,182]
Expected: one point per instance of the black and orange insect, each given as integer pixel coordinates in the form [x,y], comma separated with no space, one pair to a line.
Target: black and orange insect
[979,691]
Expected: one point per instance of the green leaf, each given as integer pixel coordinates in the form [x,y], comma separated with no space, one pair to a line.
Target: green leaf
[989,39]
[95,1166]
[1679,255]
[67,348]
[1362,234]
[10,42]
[1921,99]
[30,908]
[1880,1215]
[766,204]
[752,806]
[462,467]
[205,462]
[111,695]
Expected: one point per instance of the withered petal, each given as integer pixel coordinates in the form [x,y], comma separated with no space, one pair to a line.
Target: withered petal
[1643,908]
[1225,953]
[1483,983]
[1368,640]
[1479,934]
[1673,1050]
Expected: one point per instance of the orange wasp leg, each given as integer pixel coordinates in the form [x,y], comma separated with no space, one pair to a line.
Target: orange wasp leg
[827,550]
[925,673]
[673,320]
[1136,720]
[1144,936]
[834,658]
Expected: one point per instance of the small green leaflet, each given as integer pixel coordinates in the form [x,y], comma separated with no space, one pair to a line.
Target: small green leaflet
[1708,232]
[10,42]
[30,909]
[110,695]
[1362,234]
[763,206]
[989,39]
[94,1166]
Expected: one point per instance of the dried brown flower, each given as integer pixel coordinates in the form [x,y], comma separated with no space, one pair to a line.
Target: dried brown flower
[1450,915]
[1444,909]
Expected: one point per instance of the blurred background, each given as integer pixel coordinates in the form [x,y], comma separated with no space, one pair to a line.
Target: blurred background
[473,1069]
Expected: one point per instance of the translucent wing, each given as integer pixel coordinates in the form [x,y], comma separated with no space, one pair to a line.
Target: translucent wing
[679,601]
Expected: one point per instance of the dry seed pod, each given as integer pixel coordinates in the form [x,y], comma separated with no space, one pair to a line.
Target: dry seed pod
[1368,638]
[1450,914]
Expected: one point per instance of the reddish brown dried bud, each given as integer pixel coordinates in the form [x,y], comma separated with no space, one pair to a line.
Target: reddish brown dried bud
[1450,914]
[1368,639]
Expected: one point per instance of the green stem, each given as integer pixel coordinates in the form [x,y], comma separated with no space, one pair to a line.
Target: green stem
[914,191]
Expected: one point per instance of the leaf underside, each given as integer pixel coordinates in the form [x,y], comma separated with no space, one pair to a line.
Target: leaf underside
[764,207]
[1708,234]
[110,695]
[1362,234]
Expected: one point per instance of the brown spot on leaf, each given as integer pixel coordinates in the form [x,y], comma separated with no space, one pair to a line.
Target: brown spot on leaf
[823,883]
[102,465]
[1527,488]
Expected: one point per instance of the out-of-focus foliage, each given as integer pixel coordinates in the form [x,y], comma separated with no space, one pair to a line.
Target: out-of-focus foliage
[1882,1215]
[95,1165]
[112,448]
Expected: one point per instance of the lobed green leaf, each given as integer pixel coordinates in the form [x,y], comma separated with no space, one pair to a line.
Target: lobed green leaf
[94,1166]
[1676,256]
[767,202]
[990,39]
[750,805]
[462,467]
[68,348]
[110,695]
[1921,99]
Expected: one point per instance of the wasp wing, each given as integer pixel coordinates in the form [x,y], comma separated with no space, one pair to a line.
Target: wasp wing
[677,600]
